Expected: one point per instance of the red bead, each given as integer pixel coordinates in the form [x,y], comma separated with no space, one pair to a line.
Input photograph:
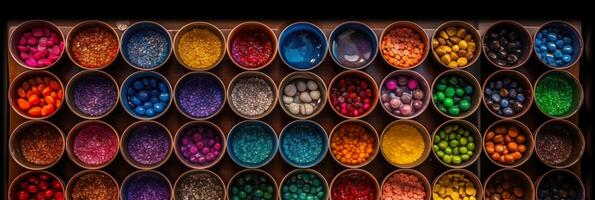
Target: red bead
[57,185]
[44,176]
[48,193]
[22,195]
[32,189]
[59,196]
[43,185]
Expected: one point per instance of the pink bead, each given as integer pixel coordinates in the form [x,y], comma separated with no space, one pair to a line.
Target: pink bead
[391,84]
[185,141]
[205,150]
[200,145]
[32,41]
[406,110]
[31,62]
[193,150]
[395,103]
[217,146]
[412,84]
[37,32]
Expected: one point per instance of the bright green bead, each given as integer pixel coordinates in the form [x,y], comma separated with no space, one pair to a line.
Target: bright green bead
[453,143]
[464,105]
[471,146]
[463,141]
[443,144]
[440,154]
[448,151]
[465,157]
[447,159]
[459,92]
[441,96]
[436,147]
[463,150]
[436,139]
[454,111]
[456,160]
[449,92]
[448,102]
[455,151]
[440,87]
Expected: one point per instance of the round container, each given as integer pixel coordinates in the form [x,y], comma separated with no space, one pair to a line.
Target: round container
[302,46]
[251,27]
[74,179]
[523,36]
[12,193]
[199,25]
[523,82]
[86,25]
[297,172]
[192,172]
[291,78]
[70,97]
[576,137]
[209,107]
[15,37]
[361,172]
[371,85]
[197,124]
[251,74]
[568,78]
[524,180]
[129,82]
[14,144]
[470,175]
[235,131]
[459,24]
[474,132]
[470,80]
[353,45]
[563,172]
[425,135]
[313,128]
[130,130]
[371,131]
[70,139]
[257,172]
[568,29]
[529,142]
[422,178]
[417,30]
[144,26]
[146,177]
[29,76]
[422,84]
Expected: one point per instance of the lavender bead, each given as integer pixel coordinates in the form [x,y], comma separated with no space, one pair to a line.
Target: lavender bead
[94,95]
[147,185]
[200,95]
[148,144]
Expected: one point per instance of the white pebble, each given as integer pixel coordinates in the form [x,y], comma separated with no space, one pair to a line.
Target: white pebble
[305,97]
[312,85]
[309,109]
[294,108]
[287,99]
[296,99]
[302,109]
[301,86]
[315,95]
[290,90]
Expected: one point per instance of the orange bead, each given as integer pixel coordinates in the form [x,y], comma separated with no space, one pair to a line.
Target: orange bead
[21,92]
[35,111]
[23,104]
[54,85]
[33,100]
[47,110]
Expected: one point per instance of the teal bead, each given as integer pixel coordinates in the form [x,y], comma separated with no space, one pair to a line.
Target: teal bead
[242,194]
[248,188]
[258,193]
[234,190]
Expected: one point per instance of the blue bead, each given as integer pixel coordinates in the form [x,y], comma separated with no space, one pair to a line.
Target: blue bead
[539,35]
[139,110]
[154,92]
[507,111]
[153,82]
[543,48]
[164,97]
[549,58]
[143,95]
[148,105]
[488,91]
[499,84]
[154,99]
[557,54]
[138,85]
[131,104]
[520,97]
[163,87]
[551,46]
[504,103]
[567,40]
[158,107]
[130,91]
[566,58]
[512,93]
[545,31]
[551,37]
[150,112]
[567,49]
[145,81]
[514,84]
[558,63]
[537,42]
[496,97]
[135,101]
[559,43]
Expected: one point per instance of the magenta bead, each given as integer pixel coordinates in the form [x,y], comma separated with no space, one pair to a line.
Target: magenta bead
[391,84]
[412,84]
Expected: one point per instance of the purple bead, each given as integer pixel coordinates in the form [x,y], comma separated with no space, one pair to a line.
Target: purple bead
[200,95]
[94,95]
[148,144]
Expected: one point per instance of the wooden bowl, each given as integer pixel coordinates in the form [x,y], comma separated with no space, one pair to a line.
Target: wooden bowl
[425,135]
[577,99]
[70,144]
[140,26]
[199,25]
[230,142]
[177,141]
[128,82]
[310,171]
[198,171]
[205,74]
[470,175]
[576,136]
[12,193]
[312,125]
[24,27]
[529,141]
[470,29]
[523,83]
[371,85]
[15,149]
[71,183]
[573,33]
[422,84]
[477,141]
[250,74]
[362,172]
[371,131]
[254,171]
[124,143]
[128,178]
[82,26]
[69,92]
[524,38]
[252,25]
[306,27]
[364,30]
[303,75]
[580,186]
[16,83]
[422,178]
[471,80]
[525,181]
[416,29]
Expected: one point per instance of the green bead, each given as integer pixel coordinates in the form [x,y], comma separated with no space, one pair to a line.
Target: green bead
[464,105]
[459,92]
[441,96]
[242,194]
[453,143]
[235,198]
[465,157]
[458,136]
[468,90]
[442,108]
[453,80]
[442,134]
[316,182]
[258,193]
[449,92]
[234,190]
[436,147]
[248,188]
[455,151]
[456,160]
[268,195]
[448,129]
[471,146]
[466,133]
[470,138]
[454,111]
[270,189]
[469,153]
[448,102]
[448,151]
[447,159]
[452,136]
[286,195]
[463,150]
[436,139]
[443,144]
[306,188]
[293,188]
[440,87]
[463,141]
[443,81]
[440,154]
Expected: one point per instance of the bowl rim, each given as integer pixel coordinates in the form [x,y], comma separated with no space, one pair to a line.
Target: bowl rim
[19,79]
[468,27]
[318,32]
[577,87]
[416,76]
[248,24]
[139,74]
[254,171]
[203,74]
[249,74]
[19,177]
[83,74]
[262,163]
[518,27]
[76,29]
[199,171]
[323,181]
[14,137]
[303,75]
[424,134]
[573,29]
[415,28]
[424,181]
[124,141]
[75,131]
[518,77]
[529,142]
[472,80]
[569,125]
[524,178]
[365,173]
[199,123]
[18,28]
[477,141]
[144,171]
[68,188]
[362,75]
[371,130]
